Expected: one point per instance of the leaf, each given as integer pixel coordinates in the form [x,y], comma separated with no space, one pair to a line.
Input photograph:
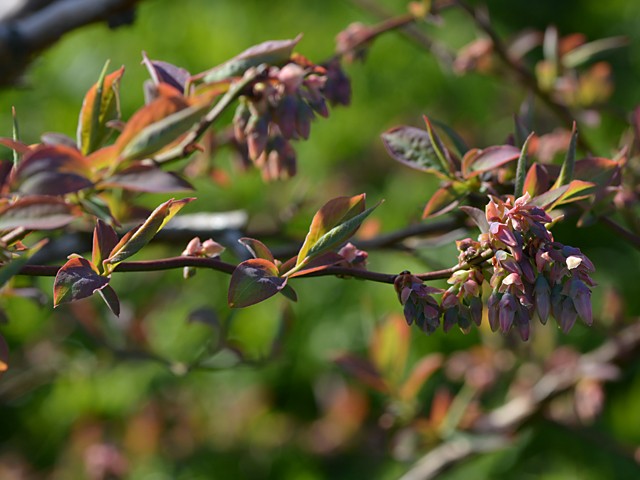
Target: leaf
[491,158]
[318,263]
[587,51]
[537,180]
[440,150]
[105,239]
[257,248]
[15,145]
[14,266]
[52,170]
[164,72]
[445,199]
[253,281]
[363,370]
[37,213]
[478,216]
[601,171]
[4,355]
[146,178]
[412,147]
[389,348]
[574,191]
[274,52]
[521,167]
[162,133]
[421,372]
[100,105]
[75,280]
[110,297]
[289,293]
[334,212]
[568,166]
[141,235]
[16,134]
[455,138]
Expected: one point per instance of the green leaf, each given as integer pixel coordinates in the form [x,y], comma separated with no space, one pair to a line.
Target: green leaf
[141,235]
[75,280]
[587,51]
[412,147]
[572,192]
[16,135]
[443,155]
[521,168]
[253,281]
[4,355]
[568,166]
[100,105]
[11,268]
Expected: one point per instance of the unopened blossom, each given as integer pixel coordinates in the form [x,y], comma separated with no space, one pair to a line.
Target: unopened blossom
[419,305]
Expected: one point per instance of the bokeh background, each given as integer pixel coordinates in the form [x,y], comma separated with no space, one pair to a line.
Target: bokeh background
[80,395]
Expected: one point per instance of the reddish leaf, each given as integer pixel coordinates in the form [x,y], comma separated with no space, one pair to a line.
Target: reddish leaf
[163,72]
[52,170]
[478,216]
[363,370]
[412,147]
[103,157]
[15,145]
[390,348]
[100,105]
[537,180]
[257,248]
[146,178]
[574,191]
[4,355]
[420,374]
[13,266]
[110,297]
[601,171]
[253,281]
[318,263]
[37,213]
[444,200]
[141,235]
[491,158]
[105,239]
[76,279]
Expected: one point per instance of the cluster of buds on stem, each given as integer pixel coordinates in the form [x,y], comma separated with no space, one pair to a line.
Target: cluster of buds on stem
[419,305]
[196,248]
[280,107]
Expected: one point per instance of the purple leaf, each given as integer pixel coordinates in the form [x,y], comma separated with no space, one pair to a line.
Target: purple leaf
[76,279]
[37,213]
[253,281]
[164,72]
[257,248]
[491,158]
[146,178]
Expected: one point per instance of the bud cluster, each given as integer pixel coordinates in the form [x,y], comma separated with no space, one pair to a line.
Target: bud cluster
[196,248]
[280,107]
[419,305]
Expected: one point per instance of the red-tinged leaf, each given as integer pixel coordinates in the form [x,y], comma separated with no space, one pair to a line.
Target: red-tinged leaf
[467,160]
[105,239]
[274,52]
[318,263]
[568,166]
[161,134]
[146,178]
[332,214]
[289,293]
[492,157]
[103,157]
[52,170]
[140,236]
[478,216]
[75,280]
[444,200]
[537,180]
[100,105]
[419,375]
[442,152]
[11,268]
[412,147]
[572,192]
[363,370]
[601,171]
[168,102]
[55,138]
[257,248]
[390,348]
[253,281]
[164,72]
[4,355]
[110,297]
[37,213]
[15,145]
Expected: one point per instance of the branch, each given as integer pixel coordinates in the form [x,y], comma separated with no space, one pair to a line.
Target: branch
[22,37]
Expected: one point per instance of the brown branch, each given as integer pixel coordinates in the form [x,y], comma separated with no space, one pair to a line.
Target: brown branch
[22,37]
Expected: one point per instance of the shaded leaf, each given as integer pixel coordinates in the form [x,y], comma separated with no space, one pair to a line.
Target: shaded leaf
[54,138]
[289,293]
[11,268]
[100,105]
[574,191]
[441,151]
[15,145]
[110,297]
[141,235]
[274,52]
[253,281]
[4,355]
[164,72]
[318,263]
[478,216]
[146,178]
[492,157]
[568,166]
[75,280]
[37,213]
[52,170]
[257,248]
[537,180]
[445,199]
[601,171]
[521,167]
[363,370]
[412,147]
[420,373]
[105,239]
[585,52]
[455,138]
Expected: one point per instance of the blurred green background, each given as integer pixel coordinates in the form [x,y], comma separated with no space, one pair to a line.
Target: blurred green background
[79,393]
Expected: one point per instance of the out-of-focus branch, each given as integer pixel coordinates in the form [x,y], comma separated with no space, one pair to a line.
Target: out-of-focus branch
[491,431]
[30,27]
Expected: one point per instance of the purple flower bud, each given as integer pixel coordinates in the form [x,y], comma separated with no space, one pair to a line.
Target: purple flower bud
[475,307]
[503,233]
[568,315]
[257,133]
[285,116]
[581,297]
[493,306]
[523,323]
[508,306]
[542,297]
[450,318]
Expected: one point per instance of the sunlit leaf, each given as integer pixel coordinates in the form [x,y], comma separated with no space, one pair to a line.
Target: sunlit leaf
[478,216]
[412,147]
[253,281]
[140,236]
[521,167]
[37,213]
[491,158]
[105,239]
[164,72]
[318,263]
[146,178]
[75,280]
[441,151]
[537,180]
[574,191]
[587,51]
[257,248]
[568,166]
[444,199]
[100,105]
